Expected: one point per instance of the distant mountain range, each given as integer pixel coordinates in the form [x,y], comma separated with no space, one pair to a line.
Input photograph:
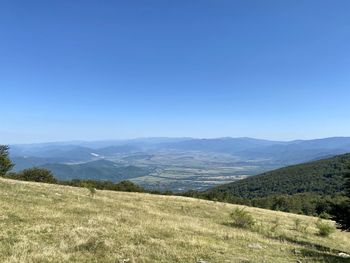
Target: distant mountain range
[290,152]
[287,152]
[176,160]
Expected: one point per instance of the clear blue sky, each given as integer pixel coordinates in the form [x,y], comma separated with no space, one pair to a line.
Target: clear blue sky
[82,69]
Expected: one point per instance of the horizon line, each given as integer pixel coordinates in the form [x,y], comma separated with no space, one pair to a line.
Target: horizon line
[169,138]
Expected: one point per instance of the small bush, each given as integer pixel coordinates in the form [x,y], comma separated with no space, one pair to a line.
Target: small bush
[275,225]
[92,245]
[242,218]
[92,190]
[262,229]
[324,228]
[299,226]
[325,215]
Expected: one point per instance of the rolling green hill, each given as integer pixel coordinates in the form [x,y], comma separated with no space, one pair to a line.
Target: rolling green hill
[55,223]
[322,177]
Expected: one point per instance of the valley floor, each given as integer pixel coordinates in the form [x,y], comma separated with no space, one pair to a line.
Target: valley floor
[52,223]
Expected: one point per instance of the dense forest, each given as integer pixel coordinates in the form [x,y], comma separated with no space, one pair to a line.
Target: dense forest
[313,188]
[324,177]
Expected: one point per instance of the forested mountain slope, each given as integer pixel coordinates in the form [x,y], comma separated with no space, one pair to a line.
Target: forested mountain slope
[322,177]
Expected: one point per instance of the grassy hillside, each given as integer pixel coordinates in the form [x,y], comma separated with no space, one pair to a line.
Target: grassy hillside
[323,177]
[53,223]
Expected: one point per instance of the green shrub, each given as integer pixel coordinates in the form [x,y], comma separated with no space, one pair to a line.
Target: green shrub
[297,224]
[92,190]
[300,226]
[275,225]
[242,218]
[325,215]
[34,175]
[325,228]
[124,186]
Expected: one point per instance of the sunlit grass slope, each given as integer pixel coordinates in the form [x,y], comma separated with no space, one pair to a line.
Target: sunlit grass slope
[52,223]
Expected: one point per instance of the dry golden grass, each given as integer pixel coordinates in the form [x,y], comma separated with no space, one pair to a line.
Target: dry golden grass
[52,223]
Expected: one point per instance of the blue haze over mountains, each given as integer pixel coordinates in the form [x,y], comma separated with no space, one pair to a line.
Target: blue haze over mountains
[176,164]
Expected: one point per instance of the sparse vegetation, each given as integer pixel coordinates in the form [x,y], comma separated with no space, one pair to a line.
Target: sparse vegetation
[275,225]
[300,226]
[297,224]
[242,218]
[92,190]
[55,223]
[325,228]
